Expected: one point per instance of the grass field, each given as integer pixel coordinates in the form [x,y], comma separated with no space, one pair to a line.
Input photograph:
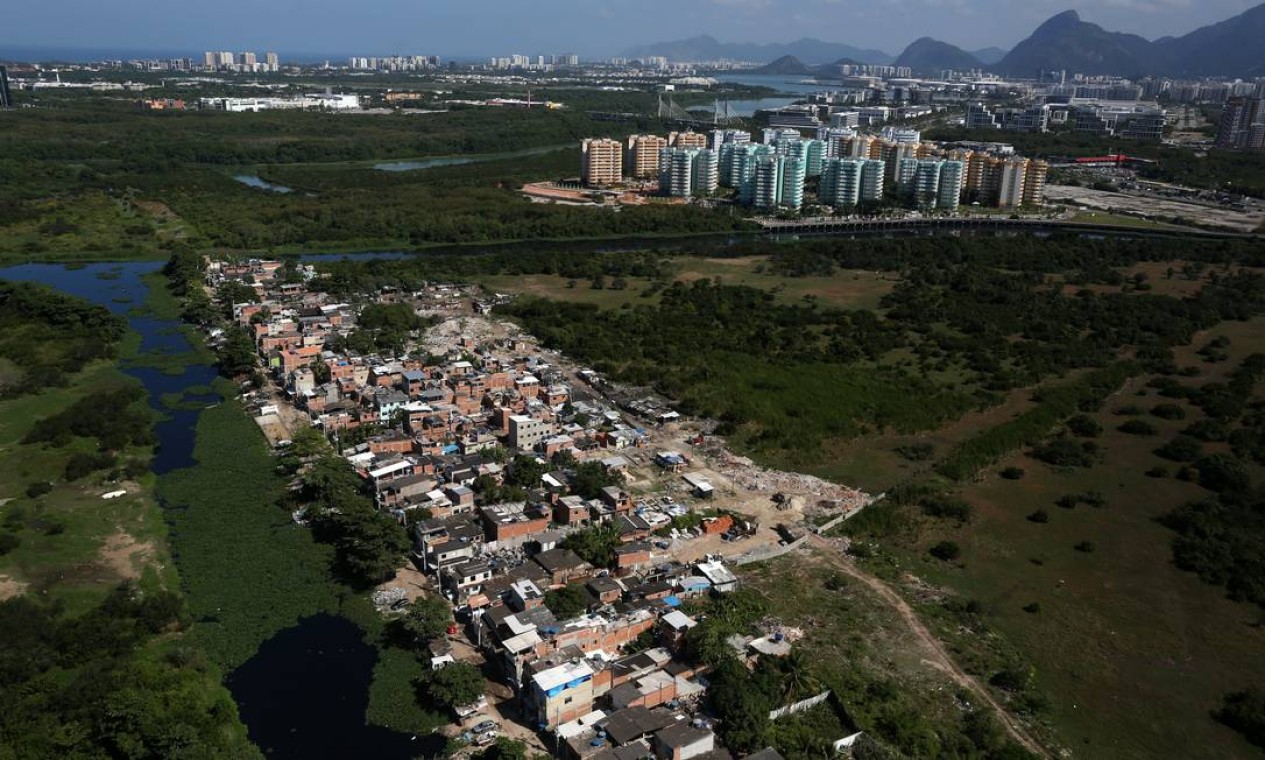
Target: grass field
[75,547]
[1133,652]
[846,289]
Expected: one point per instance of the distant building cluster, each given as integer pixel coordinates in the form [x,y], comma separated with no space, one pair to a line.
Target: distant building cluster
[851,170]
[394,63]
[245,62]
[1242,124]
[1110,118]
[532,62]
[309,102]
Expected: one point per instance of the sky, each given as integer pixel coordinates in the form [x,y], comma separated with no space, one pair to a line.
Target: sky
[594,28]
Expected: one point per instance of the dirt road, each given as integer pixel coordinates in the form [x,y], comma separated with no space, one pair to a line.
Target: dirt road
[937,656]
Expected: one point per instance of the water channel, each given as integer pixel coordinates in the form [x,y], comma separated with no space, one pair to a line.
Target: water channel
[304,693]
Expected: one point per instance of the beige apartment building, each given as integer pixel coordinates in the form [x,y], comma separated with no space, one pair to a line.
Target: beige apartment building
[601,161]
[643,154]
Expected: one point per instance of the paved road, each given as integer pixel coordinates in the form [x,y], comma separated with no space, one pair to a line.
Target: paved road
[937,656]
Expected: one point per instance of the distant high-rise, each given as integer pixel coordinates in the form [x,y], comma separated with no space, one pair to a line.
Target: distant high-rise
[6,95]
[1238,117]
[841,182]
[209,59]
[273,62]
[794,171]
[601,161]
[248,60]
[873,172]
[721,137]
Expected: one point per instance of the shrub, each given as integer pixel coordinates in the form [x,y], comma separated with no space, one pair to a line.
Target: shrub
[916,452]
[1084,426]
[38,489]
[1244,711]
[1168,412]
[1012,473]
[1032,608]
[8,542]
[946,551]
[1137,427]
[1065,452]
[1183,448]
[1086,547]
[1158,471]
[947,507]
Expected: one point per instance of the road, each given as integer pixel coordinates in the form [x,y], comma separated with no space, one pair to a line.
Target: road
[936,655]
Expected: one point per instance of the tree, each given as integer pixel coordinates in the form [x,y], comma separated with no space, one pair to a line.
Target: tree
[427,618]
[568,601]
[798,682]
[594,545]
[370,545]
[454,685]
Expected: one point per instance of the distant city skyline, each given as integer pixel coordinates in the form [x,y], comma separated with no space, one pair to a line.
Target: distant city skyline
[594,29]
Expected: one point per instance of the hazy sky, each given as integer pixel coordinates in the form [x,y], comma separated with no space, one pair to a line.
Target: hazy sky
[588,27]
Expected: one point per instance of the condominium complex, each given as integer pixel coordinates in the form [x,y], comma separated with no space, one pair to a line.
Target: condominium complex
[601,161]
[854,170]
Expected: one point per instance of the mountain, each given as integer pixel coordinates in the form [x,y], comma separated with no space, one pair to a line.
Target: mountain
[1066,42]
[707,48]
[989,55]
[1230,48]
[927,56]
[787,65]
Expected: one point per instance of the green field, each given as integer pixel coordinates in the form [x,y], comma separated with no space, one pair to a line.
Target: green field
[1133,652]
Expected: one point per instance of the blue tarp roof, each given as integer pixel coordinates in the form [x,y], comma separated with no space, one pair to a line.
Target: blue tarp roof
[672,601]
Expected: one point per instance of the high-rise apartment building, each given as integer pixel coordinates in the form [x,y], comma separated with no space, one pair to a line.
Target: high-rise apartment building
[926,184]
[643,155]
[247,60]
[794,171]
[906,172]
[767,181]
[841,182]
[952,178]
[208,59]
[1014,174]
[1238,118]
[688,172]
[601,161]
[273,61]
[687,139]
[721,137]
[1034,183]
[809,152]
[873,175]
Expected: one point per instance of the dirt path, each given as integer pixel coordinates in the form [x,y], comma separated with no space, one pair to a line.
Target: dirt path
[937,656]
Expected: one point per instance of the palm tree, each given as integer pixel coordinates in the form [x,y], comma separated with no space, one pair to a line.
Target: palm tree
[798,680]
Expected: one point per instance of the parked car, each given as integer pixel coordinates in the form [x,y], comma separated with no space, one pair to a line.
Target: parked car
[483,740]
[485,726]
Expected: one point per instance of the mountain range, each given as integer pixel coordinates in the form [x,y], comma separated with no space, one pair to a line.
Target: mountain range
[1234,47]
